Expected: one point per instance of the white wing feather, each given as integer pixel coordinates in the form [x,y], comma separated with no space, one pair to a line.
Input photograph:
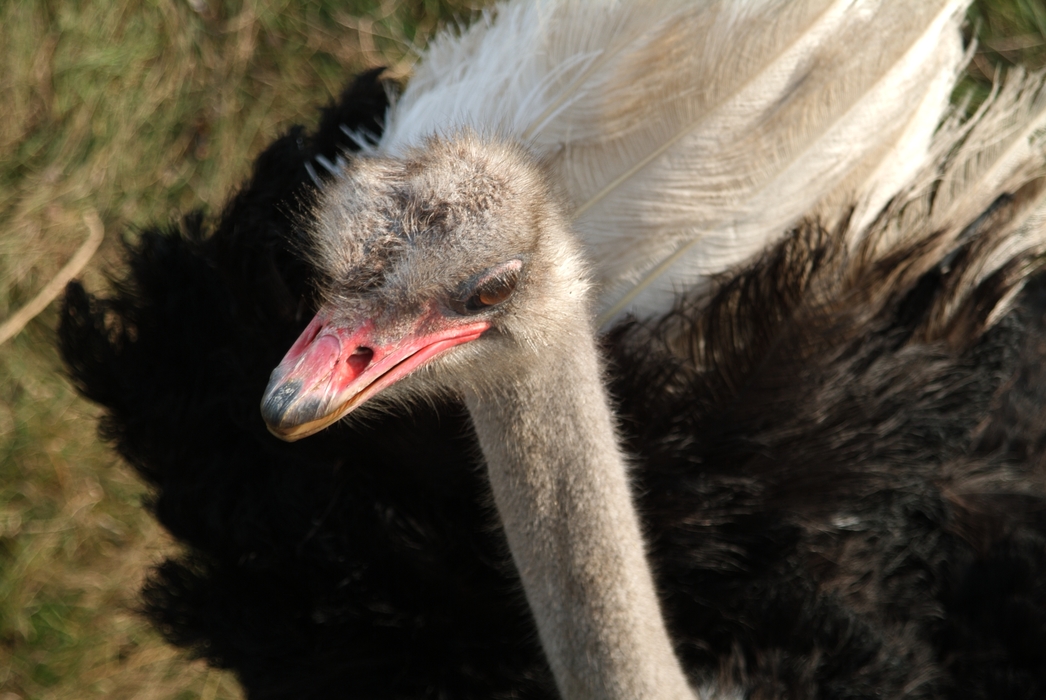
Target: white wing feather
[998,152]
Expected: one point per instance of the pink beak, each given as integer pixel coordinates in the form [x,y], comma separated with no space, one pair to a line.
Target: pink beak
[331,369]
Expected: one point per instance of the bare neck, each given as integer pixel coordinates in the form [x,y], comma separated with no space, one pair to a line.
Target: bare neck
[562,491]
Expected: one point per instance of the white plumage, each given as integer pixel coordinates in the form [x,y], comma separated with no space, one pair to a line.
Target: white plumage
[687,136]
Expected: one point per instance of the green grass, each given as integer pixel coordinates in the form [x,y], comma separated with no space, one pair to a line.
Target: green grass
[140,110]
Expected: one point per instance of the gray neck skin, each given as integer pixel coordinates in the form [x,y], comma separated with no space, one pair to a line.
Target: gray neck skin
[562,491]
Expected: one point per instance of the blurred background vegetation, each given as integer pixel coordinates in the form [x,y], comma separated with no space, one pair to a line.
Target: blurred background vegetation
[139,110]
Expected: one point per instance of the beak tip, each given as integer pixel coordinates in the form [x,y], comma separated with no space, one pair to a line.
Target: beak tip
[289,413]
[277,406]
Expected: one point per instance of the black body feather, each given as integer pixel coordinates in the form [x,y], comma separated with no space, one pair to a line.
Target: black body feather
[837,506]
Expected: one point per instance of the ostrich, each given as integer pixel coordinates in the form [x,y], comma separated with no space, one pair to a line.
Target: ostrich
[867,358]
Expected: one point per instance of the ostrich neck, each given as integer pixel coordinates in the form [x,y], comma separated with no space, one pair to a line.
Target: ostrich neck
[562,492]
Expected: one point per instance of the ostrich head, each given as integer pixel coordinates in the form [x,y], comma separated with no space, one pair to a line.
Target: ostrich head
[451,265]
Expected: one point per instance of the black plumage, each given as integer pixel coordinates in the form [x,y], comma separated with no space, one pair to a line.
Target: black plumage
[843,503]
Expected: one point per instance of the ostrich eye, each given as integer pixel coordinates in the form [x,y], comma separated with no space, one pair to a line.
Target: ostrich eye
[493,292]
[493,287]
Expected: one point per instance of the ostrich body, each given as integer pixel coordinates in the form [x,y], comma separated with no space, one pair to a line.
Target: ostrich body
[405,246]
[832,446]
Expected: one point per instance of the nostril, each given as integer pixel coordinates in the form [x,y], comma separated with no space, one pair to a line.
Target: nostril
[360,358]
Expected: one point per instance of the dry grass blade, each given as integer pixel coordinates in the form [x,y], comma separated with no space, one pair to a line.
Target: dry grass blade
[18,320]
